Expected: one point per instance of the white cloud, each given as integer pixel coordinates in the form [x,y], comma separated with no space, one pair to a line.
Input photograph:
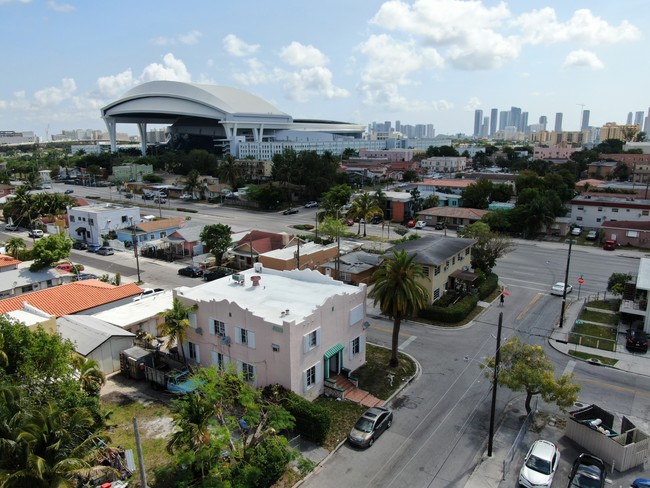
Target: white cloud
[189,38]
[52,96]
[310,83]
[112,85]
[472,104]
[14,1]
[542,27]
[60,7]
[257,74]
[236,47]
[582,58]
[467,30]
[297,54]
[171,69]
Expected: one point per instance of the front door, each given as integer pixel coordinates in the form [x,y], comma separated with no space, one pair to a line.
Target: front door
[335,364]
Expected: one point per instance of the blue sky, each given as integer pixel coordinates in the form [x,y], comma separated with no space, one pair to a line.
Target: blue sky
[417,61]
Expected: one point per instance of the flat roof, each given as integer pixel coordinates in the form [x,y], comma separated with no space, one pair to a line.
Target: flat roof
[298,291]
[643,279]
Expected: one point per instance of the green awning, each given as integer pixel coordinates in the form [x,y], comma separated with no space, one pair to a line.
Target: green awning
[333,350]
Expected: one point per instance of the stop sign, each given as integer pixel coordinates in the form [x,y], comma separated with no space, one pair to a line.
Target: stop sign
[581,280]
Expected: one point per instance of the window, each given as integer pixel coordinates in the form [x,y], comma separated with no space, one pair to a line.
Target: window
[218,328]
[578,218]
[581,208]
[436,293]
[192,349]
[425,270]
[311,340]
[275,347]
[598,220]
[218,359]
[632,233]
[467,251]
[91,221]
[614,210]
[124,218]
[310,376]
[245,337]
[453,260]
[356,346]
[436,271]
[248,371]
[71,218]
[644,212]
[600,209]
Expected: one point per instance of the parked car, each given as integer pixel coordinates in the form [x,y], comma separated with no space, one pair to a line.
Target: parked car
[588,472]
[576,231]
[85,276]
[147,196]
[105,251]
[68,191]
[128,195]
[370,426]
[377,219]
[185,196]
[349,222]
[35,233]
[592,235]
[439,226]
[148,292]
[79,245]
[609,245]
[410,223]
[70,268]
[290,211]
[558,289]
[420,224]
[191,271]
[93,248]
[159,200]
[540,465]
[11,227]
[311,204]
[641,483]
[636,340]
[47,186]
[215,274]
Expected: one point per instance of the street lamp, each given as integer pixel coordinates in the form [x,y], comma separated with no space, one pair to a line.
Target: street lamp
[566,284]
[497,360]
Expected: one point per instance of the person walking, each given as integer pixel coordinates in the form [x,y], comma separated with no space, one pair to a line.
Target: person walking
[502,299]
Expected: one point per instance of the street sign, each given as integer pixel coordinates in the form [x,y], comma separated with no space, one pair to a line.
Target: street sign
[581,280]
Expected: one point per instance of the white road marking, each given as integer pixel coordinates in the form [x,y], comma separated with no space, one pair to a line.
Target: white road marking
[569,368]
[404,344]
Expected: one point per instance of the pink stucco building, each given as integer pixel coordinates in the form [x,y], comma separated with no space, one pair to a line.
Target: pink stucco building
[297,328]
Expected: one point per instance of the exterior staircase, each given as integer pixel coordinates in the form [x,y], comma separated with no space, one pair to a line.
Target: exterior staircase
[356,395]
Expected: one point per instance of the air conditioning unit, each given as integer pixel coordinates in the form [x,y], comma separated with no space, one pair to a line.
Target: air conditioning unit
[225,340]
[446,267]
[199,330]
[465,268]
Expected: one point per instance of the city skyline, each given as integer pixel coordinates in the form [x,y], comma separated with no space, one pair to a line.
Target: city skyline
[425,61]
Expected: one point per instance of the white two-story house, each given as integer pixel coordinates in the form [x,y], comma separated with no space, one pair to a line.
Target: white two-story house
[90,222]
[297,328]
[591,211]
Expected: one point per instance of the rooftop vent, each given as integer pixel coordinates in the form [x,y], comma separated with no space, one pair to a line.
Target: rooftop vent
[256,280]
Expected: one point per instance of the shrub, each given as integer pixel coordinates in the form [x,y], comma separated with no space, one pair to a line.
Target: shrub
[490,284]
[312,421]
[451,314]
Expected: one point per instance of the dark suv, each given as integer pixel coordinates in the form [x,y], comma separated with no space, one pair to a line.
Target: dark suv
[636,340]
[588,472]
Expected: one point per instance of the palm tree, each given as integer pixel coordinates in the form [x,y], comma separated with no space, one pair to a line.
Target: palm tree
[4,359]
[91,377]
[230,170]
[192,182]
[193,415]
[175,323]
[14,245]
[365,207]
[398,292]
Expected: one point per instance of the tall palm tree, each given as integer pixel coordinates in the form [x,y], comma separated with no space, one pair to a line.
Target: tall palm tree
[91,377]
[398,292]
[230,170]
[14,245]
[175,324]
[192,182]
[193,415]
[4,359]
[365,207]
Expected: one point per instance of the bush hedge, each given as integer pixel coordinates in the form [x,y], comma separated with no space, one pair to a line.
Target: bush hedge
[490,284]
[312,421]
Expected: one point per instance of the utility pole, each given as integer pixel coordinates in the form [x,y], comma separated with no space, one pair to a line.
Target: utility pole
[298,253]
[138,445]
[134,239]
[497,360]
[566,284]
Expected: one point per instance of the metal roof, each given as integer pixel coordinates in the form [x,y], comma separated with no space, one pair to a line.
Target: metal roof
[87,332]
[434,249]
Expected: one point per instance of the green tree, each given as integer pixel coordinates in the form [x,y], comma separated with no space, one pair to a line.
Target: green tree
[525,367]
[398,292]
[193,183]
[49,250]
[175,323]
[230,170]
[91,377]
[335,198]
[217,238]
[331,227]
[616,282]
[364,208]
[14,245]
[477,195]
[621,172]
[488,247]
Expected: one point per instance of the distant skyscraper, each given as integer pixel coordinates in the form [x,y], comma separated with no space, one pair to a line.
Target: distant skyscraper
[398,126]
[638,119]
[485,127]
[629,118]
[514,119]
[387,126]
[646,125]
[558,122]
[524,122]
[503,119]
[584,125]
[543,120]
[478,120]
[494,113]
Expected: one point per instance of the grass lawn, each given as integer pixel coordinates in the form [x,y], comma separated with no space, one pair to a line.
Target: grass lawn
[599,336]
[373,376]
[600,317]
[344,414]
[585,356]
[153,424]
[612,305]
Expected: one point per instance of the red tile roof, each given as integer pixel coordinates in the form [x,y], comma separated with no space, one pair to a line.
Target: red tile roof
[71,298]
[6,260]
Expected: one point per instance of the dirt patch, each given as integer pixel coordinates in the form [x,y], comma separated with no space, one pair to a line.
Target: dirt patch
[160,428]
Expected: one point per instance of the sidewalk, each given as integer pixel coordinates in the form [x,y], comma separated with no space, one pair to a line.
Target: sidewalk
[488,472]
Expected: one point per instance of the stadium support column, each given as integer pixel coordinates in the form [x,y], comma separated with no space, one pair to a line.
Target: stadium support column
[110,126]
[142,128]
